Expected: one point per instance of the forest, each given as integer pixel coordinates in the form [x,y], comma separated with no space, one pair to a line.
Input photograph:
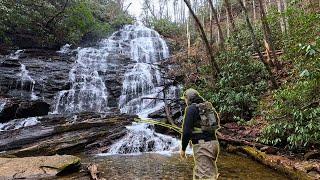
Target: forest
[256,61]
[255,68]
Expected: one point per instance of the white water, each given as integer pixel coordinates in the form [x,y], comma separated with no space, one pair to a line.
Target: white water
[88,91]
[26,82]
[141,138]
[19,123]
[2,104]
[65,49]
[15,55]
[143,79]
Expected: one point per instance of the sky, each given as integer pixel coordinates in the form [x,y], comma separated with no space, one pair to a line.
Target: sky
[135,8]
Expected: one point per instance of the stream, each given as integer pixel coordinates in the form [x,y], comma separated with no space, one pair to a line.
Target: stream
[158,166]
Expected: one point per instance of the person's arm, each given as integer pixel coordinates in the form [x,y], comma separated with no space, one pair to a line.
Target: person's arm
[187,127]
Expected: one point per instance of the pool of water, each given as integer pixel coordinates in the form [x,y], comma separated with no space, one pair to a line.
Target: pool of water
[157,166]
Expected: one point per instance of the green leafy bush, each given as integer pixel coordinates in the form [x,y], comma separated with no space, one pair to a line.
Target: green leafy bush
[242,82]
[295,112]
[295,115]
[238,90]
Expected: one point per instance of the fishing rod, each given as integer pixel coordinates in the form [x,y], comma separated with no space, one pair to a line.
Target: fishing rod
[172,127]
[159,123]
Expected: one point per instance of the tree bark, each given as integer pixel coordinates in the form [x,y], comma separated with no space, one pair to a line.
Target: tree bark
[282,22]
[268,34]
[231,20]
[229,12]
[254,10]
[256,46]
[215,17]
[214,65]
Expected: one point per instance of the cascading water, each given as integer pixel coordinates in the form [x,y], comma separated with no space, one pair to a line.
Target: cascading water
[19,123]
[26,82]
[142,138]
[2,104]
[142,79]
[16,54]
[88,91]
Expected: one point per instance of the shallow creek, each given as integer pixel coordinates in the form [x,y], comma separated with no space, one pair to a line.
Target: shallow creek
[157,166]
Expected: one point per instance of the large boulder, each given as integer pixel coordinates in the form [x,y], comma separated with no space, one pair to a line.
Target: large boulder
[37,167]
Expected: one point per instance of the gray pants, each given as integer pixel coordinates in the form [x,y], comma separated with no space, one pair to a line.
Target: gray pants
[205,156]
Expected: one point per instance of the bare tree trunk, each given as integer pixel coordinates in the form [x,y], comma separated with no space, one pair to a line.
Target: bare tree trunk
[233,26]
[215,14]
[282,23]
[254,10]
[211,29]
[228,7]
[188,38]
[228,25]
[256,46]
[285,8]
[214,65]
[268,34]
[166,106]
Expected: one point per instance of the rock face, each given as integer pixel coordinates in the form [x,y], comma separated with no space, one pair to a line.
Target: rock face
[37,167]
[46,69]
[86,132]
[47,73]
[15,108]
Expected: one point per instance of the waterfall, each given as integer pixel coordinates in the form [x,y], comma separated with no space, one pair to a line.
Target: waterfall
[65,49]
[143,79]
[88,91]
[26,81]
[144,49]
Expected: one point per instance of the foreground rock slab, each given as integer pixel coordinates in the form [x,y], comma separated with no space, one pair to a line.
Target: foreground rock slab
[37,167]
[86,132]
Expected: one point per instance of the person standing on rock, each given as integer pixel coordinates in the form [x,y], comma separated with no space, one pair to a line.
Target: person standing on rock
[199,126]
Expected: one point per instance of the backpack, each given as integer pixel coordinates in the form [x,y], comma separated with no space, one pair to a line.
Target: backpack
[209,117]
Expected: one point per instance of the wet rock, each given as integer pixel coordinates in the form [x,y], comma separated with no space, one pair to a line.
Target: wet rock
[269,150]
[57,134]
[16,108]
[37,167]
[10,63]
[48,69]
[312,155]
